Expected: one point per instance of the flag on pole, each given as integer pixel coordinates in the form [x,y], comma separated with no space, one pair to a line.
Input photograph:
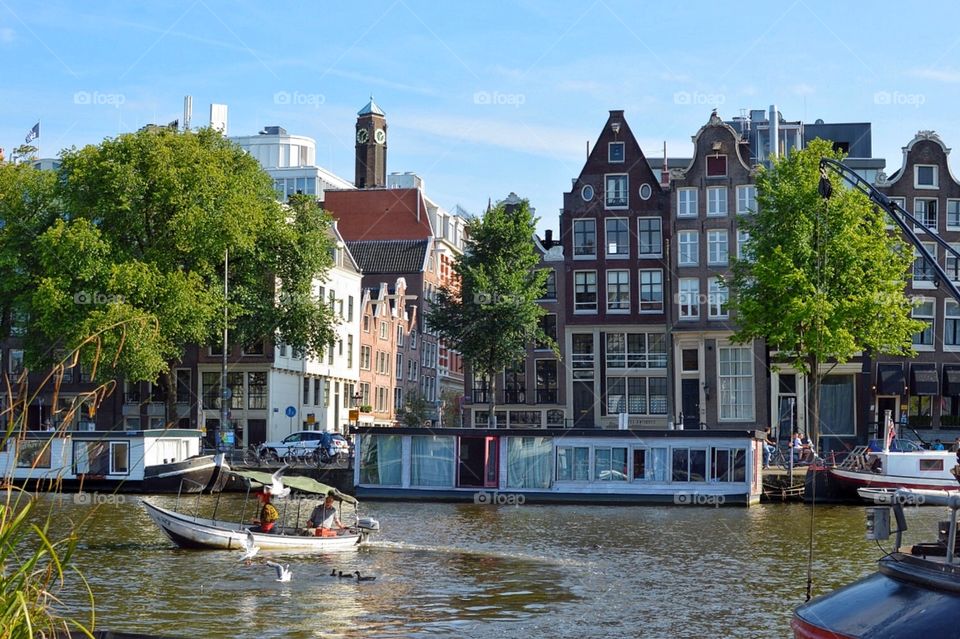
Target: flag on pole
[33,134]
[891,435]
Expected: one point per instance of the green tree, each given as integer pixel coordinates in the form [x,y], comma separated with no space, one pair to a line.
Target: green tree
[151,216]
[416,410]
[823,280]
[492,315]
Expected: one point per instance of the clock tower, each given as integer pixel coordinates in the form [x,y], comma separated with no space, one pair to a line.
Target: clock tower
[371,139]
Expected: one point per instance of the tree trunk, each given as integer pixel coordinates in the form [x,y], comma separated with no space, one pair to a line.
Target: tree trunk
[168,382]
[814,379]
[492,415]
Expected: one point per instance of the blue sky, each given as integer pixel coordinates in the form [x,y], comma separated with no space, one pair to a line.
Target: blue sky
[482,98]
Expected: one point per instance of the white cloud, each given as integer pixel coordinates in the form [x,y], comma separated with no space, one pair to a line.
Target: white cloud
[937,75]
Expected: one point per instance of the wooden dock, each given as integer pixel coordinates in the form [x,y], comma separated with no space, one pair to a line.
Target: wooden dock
[778,486]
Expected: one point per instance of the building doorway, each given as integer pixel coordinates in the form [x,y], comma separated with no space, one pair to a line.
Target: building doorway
[690,403]
[583,401]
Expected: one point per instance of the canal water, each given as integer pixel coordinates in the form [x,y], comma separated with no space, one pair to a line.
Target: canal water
[464,570]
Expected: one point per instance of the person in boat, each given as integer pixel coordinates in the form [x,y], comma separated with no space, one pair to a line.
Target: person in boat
[325,518]
[938,445]
[268,514]
[956,446]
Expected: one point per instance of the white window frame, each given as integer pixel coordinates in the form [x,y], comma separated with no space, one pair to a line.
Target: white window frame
[607,191]
[936,177]
[724,390]
[746,193]
[717,197]
[585,221]
[640,284]
[924,217]
[684,246]
[610,146]
[622,252]
[659,232]
[576,305]
[126,445]
[955,266]
[743,237]
[931,319]
[689,299]
[718,299]
[619,287]
[946,317]
[718,239]
[926,284]
[688,206]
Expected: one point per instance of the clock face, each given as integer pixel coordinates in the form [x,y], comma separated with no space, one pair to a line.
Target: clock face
[362,136]
[380,136]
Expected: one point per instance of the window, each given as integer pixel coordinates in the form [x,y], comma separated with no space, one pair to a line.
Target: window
[210,389]
[953,215]
[585,238]
[318,392]
[651,291]
[653,464]
[716,166]
[432,461]
[585,291]
[618,291]
[717,247]
[925,176]
[689,298]
[365,352]
[350,308]
[548,324]
[573,463]
[925,311]
[15,361]
[689,248]
[257,390]
[366,323]
[618,237]
[383,329]
[923,273]
[529,462]
[399,335]
[514,383]
[717,200]
[627,395]
[235,385]
[689,464]
[119,458]
[689,360]
[399,366]
[616,195]
[717,299]
[736,383]
[546,370]
[582,351]
[649,237]
[615,152]
[687,203]
[743,241]
[610,464]
[184,385]
[380,459]
[349,351]
[728,464]
[925,210]
[952,266]
[746,199]
[951,323]
[636,350]
[550,289]
[586,193]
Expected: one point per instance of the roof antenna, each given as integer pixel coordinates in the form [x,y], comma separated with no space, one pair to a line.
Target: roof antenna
[588,149]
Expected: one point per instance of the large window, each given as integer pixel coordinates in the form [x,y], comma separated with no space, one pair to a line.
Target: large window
[746,199]
[636,350]
[951,324]
[636,395]
[610,464]
[585,238]
[717,247]
[618,237]
[952,264]
[211,389]
[616,194]
[926,311]
[736,383]
[717,298]
[728,464]
[953,215]
[923,272]
[546,381]
[618,291]
[256,391]
[689,298]
[649,237]
[687,202]
[717,200]
[689,464]
[925,176]
[651,291]
[585,291]
[380,459]
[573,463]
[550,288]
[515,383]
[651,464]
[925,210]
[688,243]
[615,152]
[431,461]
[743,245]
[529,462]
[583,351]
[548,324]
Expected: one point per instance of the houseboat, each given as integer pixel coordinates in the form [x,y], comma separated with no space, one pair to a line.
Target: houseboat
[497,466]
[142,461]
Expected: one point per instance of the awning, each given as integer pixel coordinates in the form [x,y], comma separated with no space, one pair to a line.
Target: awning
[924,379]
[303,484]
[889,379]
[951,381]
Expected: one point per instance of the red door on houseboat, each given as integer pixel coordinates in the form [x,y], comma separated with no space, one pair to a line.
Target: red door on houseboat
[477,462]
[492,464]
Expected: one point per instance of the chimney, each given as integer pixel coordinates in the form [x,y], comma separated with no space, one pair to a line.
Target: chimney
[548,238]
[665,172]
[774,120]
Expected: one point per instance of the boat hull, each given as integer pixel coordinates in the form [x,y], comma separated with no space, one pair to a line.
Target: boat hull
[836,485]
[194,475]
[200,533]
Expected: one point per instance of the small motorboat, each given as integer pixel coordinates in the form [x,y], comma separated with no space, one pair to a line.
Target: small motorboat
[193,531]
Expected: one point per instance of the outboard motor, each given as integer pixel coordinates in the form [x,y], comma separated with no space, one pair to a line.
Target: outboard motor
[368,525]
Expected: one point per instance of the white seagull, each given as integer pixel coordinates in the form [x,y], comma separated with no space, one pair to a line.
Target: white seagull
[283,572]
[277,489]
[250,547]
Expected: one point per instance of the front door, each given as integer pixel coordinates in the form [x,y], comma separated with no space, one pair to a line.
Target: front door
[690,403]
[583,400]
[471,462]
[492,458]
[256,431]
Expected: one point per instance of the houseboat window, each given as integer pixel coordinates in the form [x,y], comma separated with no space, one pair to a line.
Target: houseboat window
[639,463]
[90,458]
[529,461]
[610,464]
[931,464]
[380,460]
[658,467]
[432,461]
[573,463]
[119,458]
[33,454]
[689,464]
[728,464]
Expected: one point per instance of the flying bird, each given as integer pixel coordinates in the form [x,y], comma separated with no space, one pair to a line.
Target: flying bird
[283,572]
[277,489]
[250,547]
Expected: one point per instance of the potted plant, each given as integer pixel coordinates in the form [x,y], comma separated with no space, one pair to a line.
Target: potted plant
[366,408]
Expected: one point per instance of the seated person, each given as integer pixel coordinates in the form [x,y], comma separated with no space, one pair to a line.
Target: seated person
[796,446]
[325,519]
[769,446]
[268,514]
[806,451]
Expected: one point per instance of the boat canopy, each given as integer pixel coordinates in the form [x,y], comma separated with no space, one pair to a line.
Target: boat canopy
[303,484]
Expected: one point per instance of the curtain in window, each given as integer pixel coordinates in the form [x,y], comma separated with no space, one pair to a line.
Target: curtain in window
[432,461]
[657,466]
[836,405]
[380,461]
[529,462]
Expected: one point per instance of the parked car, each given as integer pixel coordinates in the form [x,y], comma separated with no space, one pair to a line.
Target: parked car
[300,443]
[342,445]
